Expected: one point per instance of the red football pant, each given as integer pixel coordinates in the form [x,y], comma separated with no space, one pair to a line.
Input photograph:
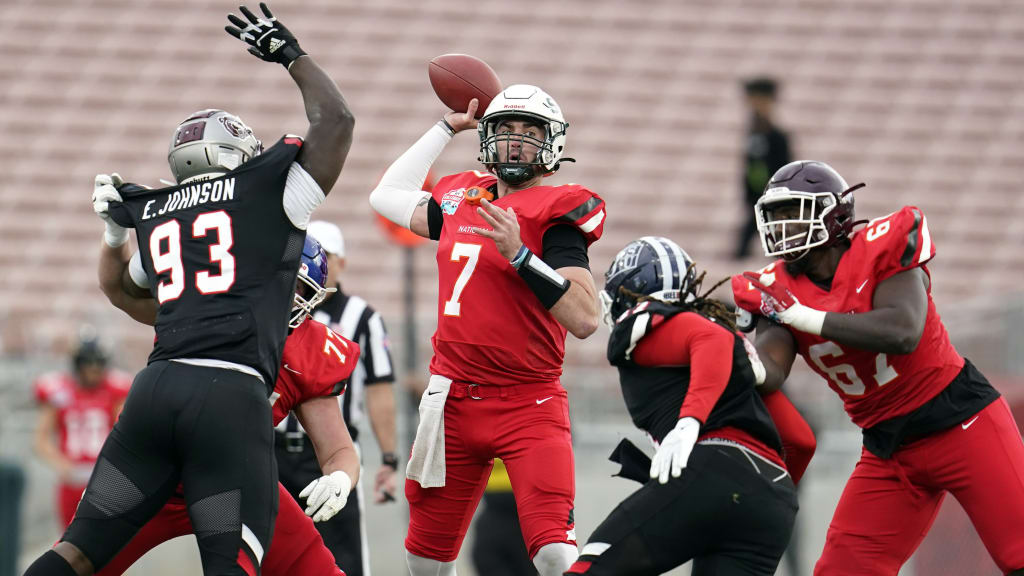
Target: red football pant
[888,506]
[296,547]
[531,436]
[68,496]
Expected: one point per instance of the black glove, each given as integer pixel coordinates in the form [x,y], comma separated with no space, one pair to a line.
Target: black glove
[267,38]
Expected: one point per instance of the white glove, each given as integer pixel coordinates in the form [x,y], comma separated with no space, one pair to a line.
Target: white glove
[326,495]
[675,449]
[104,192]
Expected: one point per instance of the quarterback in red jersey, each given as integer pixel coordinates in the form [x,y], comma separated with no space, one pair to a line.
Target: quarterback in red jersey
[315,366]
[857,306]
[76,412]
[514,277]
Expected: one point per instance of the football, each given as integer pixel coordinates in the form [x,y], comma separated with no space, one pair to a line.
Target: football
[458,78]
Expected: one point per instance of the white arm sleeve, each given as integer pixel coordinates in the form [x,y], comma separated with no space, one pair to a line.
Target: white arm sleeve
[302,195]
[401,188]
[137,272]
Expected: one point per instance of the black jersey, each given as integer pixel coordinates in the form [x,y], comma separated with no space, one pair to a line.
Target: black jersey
[655,394]
[222,257]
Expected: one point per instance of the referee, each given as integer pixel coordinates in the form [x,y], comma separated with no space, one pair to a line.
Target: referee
[353,318]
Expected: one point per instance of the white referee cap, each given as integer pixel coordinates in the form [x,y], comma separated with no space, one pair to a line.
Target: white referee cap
[329,236]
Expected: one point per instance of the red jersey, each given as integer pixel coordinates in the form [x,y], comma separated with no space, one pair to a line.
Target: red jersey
[316,362]
[85,416]
[874,386]
[490,327]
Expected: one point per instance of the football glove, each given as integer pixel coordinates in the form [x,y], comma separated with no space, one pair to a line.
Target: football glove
[267,38]
[326,496]
[104,192]
[674,450]
[780,305]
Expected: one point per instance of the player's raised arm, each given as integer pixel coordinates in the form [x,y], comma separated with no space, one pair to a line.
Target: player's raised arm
[399,196]
[330,121]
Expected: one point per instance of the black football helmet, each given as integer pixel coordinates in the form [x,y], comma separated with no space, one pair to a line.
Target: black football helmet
[805,205]
[649,266]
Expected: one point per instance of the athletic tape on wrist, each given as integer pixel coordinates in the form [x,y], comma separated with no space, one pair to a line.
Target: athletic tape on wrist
[546,284]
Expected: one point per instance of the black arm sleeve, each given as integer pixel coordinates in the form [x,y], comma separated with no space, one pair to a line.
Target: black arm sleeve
[435,219]
[564,245]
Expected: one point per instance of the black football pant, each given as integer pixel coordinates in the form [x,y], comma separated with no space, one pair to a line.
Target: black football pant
[207,428]
[297,467]
[731,512]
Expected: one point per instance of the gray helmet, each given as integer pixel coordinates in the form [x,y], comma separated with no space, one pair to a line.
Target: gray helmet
[210,143]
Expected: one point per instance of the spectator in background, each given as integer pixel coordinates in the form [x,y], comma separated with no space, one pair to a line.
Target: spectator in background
[498,547]
[353,318]
[77,411]
[767,150]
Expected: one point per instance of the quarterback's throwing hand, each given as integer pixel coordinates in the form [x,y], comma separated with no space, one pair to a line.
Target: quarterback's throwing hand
[267,38]
[780,305]
[326,495]
[504,228]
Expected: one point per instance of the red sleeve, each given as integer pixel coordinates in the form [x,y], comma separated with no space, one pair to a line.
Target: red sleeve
[582,208]
[689,339]
[798,442]
[899,242]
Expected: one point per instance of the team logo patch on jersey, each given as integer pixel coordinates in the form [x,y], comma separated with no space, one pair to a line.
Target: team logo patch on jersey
[451,200]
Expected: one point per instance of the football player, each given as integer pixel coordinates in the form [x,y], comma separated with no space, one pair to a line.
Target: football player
[319,363]
[718,491]
[513,276]
[856,304]
[221,249]
[77,409]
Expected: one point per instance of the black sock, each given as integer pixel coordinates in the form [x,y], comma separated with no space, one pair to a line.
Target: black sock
[50,564]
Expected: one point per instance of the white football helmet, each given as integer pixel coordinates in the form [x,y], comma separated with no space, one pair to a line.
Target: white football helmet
[210,143]
[525,101]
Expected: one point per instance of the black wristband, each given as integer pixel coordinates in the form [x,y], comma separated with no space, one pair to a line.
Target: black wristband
[546,284]
[389,459]
[290,54]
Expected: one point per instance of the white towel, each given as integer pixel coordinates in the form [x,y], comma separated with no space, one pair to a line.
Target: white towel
[426,464]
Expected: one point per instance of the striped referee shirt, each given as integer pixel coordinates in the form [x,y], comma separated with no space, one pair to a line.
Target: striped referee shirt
[354,319]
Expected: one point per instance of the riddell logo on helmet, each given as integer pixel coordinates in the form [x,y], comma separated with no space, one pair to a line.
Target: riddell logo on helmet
[515,106]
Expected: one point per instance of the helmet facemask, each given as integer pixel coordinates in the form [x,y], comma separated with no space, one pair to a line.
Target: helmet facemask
[529,104]
[310,285]
[308,295]
[791,223]
[496,144]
